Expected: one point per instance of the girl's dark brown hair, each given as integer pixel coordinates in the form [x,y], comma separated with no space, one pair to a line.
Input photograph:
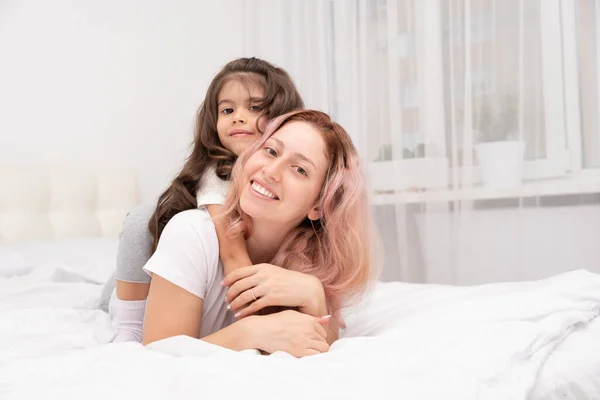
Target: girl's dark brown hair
[280,97]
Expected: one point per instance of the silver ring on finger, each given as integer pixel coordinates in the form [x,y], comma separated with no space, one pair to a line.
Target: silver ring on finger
[252,293]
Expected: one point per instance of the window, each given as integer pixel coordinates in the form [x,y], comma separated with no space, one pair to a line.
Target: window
[588,57]
[508,60]
[420,83]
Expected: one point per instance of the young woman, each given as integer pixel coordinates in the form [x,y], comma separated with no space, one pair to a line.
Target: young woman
[299,199]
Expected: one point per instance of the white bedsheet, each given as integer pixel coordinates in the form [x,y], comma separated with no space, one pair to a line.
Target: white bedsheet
[572,370]
[415,342]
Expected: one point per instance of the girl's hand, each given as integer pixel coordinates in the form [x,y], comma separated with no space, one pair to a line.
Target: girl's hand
[263,285]
[291,331]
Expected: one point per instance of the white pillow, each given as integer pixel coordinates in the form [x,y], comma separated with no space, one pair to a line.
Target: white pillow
[91,258]
[11,263]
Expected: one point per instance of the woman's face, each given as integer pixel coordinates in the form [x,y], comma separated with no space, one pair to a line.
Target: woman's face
[283,179]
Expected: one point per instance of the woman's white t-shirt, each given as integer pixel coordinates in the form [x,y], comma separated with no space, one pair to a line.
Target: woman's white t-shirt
[188,256]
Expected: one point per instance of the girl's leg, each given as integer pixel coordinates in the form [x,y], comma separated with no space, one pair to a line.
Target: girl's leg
[128,303]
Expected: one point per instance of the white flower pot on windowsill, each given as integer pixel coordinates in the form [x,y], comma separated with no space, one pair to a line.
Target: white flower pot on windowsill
[501,163]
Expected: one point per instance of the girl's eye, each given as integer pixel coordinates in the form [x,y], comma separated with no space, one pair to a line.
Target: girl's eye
[271,152]
[227,111]
[301,170]
[255,108]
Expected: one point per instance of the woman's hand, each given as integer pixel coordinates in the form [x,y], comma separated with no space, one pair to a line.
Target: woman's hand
[263,285]
[291,331]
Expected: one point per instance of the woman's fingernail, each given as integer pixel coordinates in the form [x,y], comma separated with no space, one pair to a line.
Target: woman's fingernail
[229,306]
[326,316]
[237,315]
[223,282]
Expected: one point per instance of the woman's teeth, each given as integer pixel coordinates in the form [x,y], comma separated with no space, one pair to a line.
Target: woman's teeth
[258,188]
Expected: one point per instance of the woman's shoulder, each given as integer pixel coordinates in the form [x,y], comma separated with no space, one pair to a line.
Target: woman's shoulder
[191,216]
[193,224]
[187,252]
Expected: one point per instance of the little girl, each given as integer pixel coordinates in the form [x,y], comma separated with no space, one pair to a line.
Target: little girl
[240,99]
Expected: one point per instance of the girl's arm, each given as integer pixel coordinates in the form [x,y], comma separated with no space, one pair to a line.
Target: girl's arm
[211,194]
[232,251]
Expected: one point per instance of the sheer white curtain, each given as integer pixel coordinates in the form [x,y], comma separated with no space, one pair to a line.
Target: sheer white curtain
[295,35]
[477,121]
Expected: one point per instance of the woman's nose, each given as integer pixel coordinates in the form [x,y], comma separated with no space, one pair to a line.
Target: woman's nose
[273,171]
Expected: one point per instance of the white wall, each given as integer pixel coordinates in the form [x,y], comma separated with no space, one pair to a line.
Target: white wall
[493,245]
[509,245]
[109,82]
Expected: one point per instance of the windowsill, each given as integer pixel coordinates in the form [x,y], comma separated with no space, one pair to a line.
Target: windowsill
[587,182]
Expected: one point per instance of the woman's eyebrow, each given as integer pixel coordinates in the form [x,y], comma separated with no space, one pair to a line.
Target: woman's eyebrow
[304,158]
[296,154]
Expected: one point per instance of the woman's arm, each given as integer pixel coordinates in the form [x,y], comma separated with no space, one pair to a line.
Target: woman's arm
[173,311]
[318,307]
[291,331]
[170,311]
[276,286]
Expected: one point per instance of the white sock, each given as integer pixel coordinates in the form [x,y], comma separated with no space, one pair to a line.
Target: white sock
[129,319]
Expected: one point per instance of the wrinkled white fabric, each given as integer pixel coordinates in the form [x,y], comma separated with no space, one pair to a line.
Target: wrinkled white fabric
[414,342]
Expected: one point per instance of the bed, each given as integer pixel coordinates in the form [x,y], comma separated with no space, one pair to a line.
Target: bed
[58,239]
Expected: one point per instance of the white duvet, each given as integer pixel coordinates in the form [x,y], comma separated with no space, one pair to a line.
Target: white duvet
[406,342]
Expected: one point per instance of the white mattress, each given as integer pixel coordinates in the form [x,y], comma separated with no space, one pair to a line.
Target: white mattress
[501,341]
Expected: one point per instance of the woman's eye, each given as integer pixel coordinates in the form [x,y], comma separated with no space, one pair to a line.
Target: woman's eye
[227,111]
[271,152]
[301,170]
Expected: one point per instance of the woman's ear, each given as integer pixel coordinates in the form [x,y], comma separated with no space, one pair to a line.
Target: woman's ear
[314,214]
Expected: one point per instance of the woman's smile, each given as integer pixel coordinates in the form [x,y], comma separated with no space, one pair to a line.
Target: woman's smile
[259,189]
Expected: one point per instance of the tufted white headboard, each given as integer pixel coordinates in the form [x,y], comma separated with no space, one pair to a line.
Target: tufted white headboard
[41,203]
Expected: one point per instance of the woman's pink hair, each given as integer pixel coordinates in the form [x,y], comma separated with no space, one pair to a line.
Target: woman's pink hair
[338,249]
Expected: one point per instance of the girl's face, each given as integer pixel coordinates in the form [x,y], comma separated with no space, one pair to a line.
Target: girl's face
[238,112]
[283,179]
